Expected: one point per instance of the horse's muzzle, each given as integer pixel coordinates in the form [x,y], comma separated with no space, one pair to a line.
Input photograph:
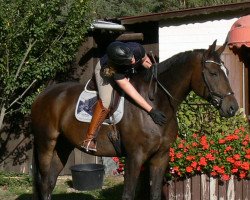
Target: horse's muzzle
[229,107]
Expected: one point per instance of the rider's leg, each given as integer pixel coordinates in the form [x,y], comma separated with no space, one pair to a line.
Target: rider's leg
[99,116]
[101,110]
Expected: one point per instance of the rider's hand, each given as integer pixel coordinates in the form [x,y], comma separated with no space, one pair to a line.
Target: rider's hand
[157,116]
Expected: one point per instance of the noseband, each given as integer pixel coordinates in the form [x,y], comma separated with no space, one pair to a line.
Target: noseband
[215,98]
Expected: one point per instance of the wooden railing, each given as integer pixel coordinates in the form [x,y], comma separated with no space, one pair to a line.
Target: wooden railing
[203,187]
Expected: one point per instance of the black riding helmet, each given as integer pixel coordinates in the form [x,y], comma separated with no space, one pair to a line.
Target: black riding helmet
[119,54]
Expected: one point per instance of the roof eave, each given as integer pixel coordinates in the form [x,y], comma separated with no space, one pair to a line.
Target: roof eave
[242,8]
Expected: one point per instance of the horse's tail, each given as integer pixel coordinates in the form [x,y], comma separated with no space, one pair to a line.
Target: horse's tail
[37,195]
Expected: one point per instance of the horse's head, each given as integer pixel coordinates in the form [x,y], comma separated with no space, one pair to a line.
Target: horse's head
[216,87]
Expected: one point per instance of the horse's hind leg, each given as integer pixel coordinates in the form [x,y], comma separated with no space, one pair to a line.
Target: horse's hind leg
[43,154]
[47,163]
[59,160]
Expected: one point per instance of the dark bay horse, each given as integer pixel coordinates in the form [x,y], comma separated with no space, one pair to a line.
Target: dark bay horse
[57,132]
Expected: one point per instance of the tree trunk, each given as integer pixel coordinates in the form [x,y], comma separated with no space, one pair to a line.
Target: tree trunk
[3,109]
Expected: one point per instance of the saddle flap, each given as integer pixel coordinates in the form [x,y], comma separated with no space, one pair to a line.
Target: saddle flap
[87,101]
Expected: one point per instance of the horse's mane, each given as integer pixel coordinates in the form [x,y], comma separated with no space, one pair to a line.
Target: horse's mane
[177,60]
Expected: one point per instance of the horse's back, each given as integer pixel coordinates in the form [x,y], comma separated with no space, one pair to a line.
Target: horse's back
[54,101]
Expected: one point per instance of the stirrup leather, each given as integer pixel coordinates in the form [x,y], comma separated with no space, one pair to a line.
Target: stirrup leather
[89,145]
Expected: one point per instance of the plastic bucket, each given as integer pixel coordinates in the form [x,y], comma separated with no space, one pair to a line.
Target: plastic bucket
[87,176]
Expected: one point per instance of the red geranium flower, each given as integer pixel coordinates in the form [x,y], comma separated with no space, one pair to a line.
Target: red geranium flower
[189,169]
[237,164]
[194,144]
[179,155]
[222,141]
[189,158]
[242,175]
[213,173]
[218,169]
[225,177]
[230,159]
[245,143]
[229,148]
[245,166]
[234,170]
[203,161]
[116,159]
[209,156]
[194,164]
[181,146]
[236,157]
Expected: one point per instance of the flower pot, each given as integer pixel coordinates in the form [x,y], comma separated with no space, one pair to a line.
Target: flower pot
[87,176]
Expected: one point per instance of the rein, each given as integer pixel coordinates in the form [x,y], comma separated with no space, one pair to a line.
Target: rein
[157,82]
[172,97]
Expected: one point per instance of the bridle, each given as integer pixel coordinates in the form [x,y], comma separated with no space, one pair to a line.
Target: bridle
[215,98]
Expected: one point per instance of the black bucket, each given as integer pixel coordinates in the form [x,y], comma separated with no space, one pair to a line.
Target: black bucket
[87,176]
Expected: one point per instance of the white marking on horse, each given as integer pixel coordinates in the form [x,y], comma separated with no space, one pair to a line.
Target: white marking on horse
[223,68]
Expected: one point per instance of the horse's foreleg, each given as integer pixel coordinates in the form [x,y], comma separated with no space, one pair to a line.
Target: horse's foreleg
[132,171]
[158,166]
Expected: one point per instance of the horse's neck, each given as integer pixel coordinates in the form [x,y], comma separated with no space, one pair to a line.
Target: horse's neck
[177,82]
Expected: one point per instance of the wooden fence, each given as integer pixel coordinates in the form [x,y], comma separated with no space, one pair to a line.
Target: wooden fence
[204,187]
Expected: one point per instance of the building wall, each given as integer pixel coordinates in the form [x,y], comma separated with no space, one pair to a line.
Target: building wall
[175,38]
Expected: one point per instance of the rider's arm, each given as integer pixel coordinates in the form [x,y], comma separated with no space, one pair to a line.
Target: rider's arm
[129,89]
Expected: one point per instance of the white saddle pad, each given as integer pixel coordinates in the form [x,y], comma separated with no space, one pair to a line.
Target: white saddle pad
[86,103]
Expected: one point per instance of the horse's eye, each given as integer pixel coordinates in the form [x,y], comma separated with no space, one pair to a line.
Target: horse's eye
[213,74]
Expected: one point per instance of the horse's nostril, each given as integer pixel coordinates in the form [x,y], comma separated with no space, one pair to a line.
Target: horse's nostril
[232,110]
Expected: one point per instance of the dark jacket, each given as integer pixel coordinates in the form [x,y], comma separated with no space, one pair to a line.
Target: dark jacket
[121,71]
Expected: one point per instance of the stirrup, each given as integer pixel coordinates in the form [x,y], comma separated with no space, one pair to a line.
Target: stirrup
[87,143]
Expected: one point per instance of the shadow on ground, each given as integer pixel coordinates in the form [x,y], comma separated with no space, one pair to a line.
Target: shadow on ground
[114,193]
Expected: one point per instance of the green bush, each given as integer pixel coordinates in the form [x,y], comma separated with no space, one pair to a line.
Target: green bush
[201,116]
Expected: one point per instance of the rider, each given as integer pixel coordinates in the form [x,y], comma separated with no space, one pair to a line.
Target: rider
[116,66]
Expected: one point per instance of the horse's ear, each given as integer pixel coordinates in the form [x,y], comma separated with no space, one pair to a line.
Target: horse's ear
[211,49]
[222,48]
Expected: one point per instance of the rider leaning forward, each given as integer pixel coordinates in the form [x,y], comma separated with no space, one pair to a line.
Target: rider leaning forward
[117,65]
